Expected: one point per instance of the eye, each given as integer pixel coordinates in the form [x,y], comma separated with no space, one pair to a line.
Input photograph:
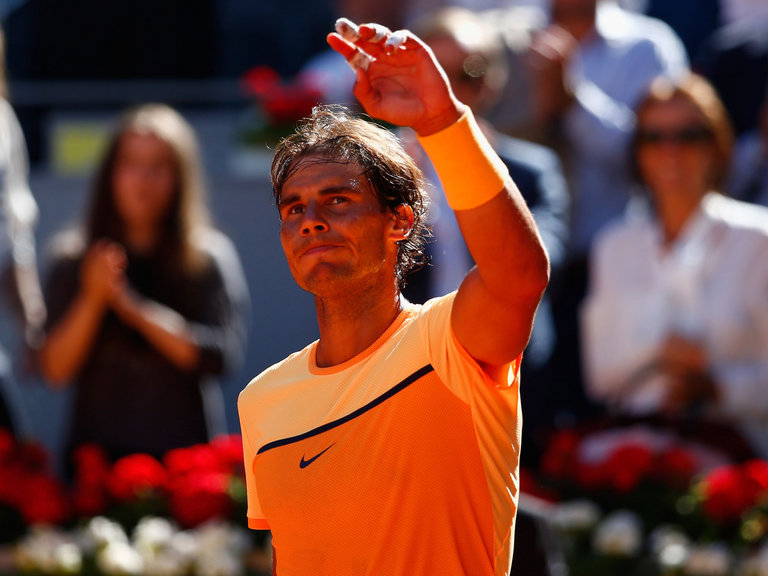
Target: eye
[295,209]
[335,200]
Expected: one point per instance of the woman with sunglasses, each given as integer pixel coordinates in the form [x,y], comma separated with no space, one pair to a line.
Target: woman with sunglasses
[676,320]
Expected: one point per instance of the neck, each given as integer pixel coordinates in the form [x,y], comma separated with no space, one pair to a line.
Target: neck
[350,324]
[674,213]
[141,240]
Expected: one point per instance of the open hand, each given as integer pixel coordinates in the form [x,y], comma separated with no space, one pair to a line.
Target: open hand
[398,79]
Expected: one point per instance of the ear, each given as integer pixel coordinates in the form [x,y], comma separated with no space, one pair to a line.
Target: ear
[402,223]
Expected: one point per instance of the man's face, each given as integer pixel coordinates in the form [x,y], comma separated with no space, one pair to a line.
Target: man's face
[336,236]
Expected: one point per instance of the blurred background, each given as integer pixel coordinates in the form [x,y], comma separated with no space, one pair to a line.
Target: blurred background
[73,66]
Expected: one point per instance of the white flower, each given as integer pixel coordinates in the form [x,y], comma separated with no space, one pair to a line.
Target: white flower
[670,547]
[167,562]
[708,560]
[619,534]
[184,544]
[100,532]
[218,565]
[576,516]
[219,549]
[217,537]
[49,551]
[119,559]
[68,559]
[152,535]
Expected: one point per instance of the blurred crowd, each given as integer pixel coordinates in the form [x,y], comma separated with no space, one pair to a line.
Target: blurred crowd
[637,131]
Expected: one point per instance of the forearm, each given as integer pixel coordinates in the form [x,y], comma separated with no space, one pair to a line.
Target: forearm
[495,221]
[512,269]
[70,341]
[165,329]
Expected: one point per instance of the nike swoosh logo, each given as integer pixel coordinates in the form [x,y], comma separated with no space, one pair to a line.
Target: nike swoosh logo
[304,463]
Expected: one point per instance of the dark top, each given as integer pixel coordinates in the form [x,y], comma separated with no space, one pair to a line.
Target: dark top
[129,398]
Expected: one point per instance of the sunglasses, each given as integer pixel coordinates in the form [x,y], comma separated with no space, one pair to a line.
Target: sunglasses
[688,136]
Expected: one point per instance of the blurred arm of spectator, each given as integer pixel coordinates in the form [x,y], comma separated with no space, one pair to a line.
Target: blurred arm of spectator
[20,276]
[80,301]
[598,111]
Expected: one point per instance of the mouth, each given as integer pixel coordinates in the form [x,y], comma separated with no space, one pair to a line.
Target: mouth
[319,249]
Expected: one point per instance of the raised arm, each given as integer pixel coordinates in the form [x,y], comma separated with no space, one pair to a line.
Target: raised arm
[399,81]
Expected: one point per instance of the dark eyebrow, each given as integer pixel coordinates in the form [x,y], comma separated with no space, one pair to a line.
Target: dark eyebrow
[329,191]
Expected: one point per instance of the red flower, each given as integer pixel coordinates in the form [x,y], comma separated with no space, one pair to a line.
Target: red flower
[12,482]
[561,457]
[199,497]
[193,459]
[726,494]
[676,467]
[260,80]
[89,497]
[627,466]
[230,452]
[530,485]
[136,476]
[756,475]
[44,501]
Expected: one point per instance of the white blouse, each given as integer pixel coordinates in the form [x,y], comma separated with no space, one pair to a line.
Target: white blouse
[710,285]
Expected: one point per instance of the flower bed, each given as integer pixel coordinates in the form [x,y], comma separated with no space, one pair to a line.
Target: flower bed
[183,516]
[639,501]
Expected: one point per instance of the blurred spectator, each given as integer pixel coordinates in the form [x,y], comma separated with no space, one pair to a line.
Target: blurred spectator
[735,61]
[743,11]
[473,58]
[590,68]
[18,264]
[418,9]
[749,175]
[147,303]
[676,321]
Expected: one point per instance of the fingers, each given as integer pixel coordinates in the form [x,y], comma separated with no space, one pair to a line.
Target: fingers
[347,30]
[355,57]
[363,44]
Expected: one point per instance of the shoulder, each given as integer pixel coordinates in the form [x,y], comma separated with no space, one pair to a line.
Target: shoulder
[742,217]
[213,242]
[218,251]
[67,246]
[621,26]
[267,382]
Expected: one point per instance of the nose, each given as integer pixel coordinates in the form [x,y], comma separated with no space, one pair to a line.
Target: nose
[313,222]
